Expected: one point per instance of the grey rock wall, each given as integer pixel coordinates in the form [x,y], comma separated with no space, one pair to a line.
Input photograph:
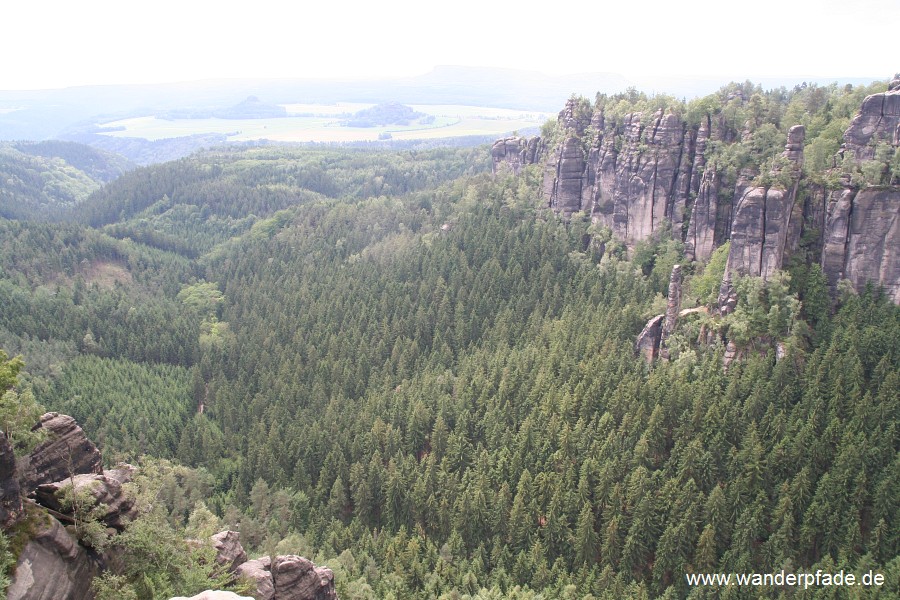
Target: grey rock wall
[66,451]
[52,566]
[637,175]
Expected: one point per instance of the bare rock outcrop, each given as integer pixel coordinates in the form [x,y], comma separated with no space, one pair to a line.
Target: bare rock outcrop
[566,193]
[296,578]
[514,153]
[10,496]
[636,174]
[66,451]
[52,566]
[641,174]
[647,344]
[673,309]
[651,343]
[288,577]
[103,490]
[861,241]
[862,238]
[259,572]
[701,238]
[761,230]
[648,180]
[878,120]
[229,551]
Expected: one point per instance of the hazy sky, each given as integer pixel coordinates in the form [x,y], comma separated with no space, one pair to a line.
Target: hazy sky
[49,44]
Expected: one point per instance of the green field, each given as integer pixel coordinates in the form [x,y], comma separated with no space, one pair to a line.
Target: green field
[322,123]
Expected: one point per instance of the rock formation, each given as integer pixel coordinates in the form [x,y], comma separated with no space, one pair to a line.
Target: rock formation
[229,551]
[645,173]
[673,308]
[878,120]
[701,238]
[289,578]
[862,238]
[651,342]
[286,578]
[647,344]
[52,566]
[296,578]
[861,242]
[566,194]
[637,173]
[259,572]
[65,452]
[761,229]
[103,491]
[514,153]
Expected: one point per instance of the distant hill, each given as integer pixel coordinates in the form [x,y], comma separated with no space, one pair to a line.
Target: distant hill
[96,163]
[38,178]
[389,113]
[250,108]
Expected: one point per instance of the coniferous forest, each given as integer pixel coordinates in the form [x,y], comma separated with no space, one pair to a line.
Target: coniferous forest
[409,370]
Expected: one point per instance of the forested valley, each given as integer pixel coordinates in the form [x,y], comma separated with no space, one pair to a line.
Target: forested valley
[409,370]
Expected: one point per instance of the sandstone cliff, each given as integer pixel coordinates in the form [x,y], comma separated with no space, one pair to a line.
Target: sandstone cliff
[861,240]
[66,451]
[766,225]
[54,565]
[649,172]
[651,342]
[514,153]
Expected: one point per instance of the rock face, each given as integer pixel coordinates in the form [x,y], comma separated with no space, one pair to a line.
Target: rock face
[878,120]
[861,241]
[862,238]
[647,174]
[647,344]
[296,578]
[65,452]
[673,309]
[762,230]
[260,572]
[637,173]
[651,343]
[52,566]
[514,153]
[701,238]
[287,578]
[10,498]
[103,490]
[566,195]
[229,551]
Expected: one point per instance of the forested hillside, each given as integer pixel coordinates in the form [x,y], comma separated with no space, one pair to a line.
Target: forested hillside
[405,368]
[40,178]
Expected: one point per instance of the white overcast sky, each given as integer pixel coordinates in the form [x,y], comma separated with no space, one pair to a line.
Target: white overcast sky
[52,44]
